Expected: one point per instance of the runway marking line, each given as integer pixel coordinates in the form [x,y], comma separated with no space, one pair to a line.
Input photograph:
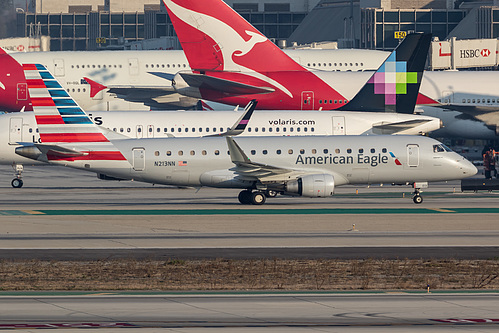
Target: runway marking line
[245,211]
[442,210]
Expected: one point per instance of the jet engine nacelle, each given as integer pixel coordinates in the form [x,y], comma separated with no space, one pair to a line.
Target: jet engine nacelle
[183,88]
[314,186]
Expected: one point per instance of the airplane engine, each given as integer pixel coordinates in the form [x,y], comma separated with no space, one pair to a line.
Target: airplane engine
[314,186]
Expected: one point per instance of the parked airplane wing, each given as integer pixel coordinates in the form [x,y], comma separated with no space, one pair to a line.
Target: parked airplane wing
[156,97]
[226,86]
[392,128]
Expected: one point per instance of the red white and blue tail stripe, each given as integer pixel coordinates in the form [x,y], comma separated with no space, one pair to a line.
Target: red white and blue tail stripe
[60,120]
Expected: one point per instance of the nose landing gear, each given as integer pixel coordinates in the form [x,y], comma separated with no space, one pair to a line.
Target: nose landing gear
[17,182]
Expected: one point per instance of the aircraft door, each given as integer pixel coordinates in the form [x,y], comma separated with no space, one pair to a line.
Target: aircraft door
[412,156]
[339,126]
[139,159]
[307,100]
[133,66]
[15,130]
[139,132]
[150,131]
[22,91]
[59,67]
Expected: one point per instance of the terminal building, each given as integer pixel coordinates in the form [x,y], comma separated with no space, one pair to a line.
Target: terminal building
[369,24]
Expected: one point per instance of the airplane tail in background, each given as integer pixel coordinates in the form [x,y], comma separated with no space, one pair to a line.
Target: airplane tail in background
[394,87]
[216,38]
[66,132]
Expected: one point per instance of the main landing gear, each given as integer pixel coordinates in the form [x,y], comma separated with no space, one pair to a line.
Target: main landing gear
[249,197]
[17,182]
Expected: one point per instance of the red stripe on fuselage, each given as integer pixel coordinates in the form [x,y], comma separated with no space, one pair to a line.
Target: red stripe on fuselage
[72,137]
[92,155]
[35,83]
[49,120]
[30,67]
[42,101]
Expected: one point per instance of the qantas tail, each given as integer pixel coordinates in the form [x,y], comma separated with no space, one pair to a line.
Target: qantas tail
[215,38]
[66,132]
[394,87]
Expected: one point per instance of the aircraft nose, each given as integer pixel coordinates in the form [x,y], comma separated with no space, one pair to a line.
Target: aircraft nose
[468,168]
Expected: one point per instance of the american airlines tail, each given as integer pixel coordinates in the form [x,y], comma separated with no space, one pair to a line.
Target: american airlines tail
[394,87]
[66,132]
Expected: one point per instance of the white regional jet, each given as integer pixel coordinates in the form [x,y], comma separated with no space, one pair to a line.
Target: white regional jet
[307,166]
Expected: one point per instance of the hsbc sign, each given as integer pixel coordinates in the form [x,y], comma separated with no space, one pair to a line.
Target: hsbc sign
[464,53]
[474,53]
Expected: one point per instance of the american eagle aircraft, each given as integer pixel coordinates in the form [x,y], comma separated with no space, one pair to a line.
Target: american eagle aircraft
[309,166]
[21,126]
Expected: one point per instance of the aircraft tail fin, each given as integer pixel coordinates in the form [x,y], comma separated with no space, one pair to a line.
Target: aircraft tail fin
[214,38]
[394,87]
[61,121]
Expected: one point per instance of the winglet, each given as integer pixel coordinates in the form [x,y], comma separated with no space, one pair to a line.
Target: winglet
[237,155]
[95,87]
[240,125]
[394,87]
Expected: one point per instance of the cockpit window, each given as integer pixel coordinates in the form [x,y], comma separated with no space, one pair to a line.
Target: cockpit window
[441,148]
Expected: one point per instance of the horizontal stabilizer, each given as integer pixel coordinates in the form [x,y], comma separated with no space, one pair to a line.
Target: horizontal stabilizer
[56,150]
[227,86]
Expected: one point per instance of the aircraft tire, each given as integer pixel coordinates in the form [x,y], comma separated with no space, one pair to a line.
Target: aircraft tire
[258,198]
[417,199]
[244,197]
[270,193]
[16,183]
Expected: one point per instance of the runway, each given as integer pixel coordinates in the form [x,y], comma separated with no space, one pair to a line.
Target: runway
[252,312]
[64,214]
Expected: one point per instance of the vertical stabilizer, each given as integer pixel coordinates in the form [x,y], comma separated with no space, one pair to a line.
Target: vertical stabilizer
[62,122]
[216,38]
[394,87]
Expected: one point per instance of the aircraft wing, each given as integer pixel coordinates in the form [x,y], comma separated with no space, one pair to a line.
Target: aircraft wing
[391,128]
[249,170]
[227,86]
[156,97]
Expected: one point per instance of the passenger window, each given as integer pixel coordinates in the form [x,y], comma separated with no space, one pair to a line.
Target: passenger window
[256,129]
[373,150]
[129,130]
[217,152]
[361,150]
[305,129]
[349,151]
[200,130]
[169,153]
[263,129]
[203,152]
[179,130]
[326,151]
[31,130]
[277,129]
[264,152]
[291,129]
[312,129]
[249,129]
[156,153]
[150,129]
[314,151]
[278,152]
[193,130]
[384,150]
[290,151]
[337,151]
[270,129]
[158,129]
[186,130]
[298,129]
[253,152]
[193,153]
[302,151]
[121,130]
[180,153]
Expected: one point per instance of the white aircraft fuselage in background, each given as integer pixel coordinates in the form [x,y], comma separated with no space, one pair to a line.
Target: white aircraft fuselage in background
[132,69]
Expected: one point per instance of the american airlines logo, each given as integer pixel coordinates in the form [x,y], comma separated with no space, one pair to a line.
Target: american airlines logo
[369,160]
